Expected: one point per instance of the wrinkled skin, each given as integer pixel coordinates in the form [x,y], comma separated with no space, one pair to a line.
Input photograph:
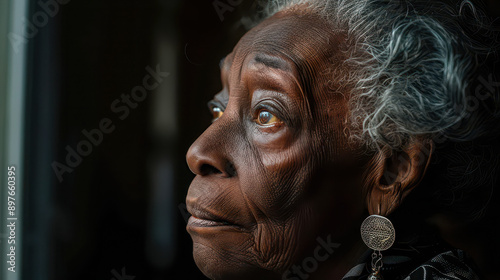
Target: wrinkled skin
[276,169]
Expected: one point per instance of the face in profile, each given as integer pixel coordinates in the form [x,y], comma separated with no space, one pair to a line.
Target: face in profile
[275,170]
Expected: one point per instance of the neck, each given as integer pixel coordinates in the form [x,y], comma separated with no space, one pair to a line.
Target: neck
[346,257]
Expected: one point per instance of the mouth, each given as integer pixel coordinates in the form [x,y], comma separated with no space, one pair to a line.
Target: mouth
[205,219]
[198,222]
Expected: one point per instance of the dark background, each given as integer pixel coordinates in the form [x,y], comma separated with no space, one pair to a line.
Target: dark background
[122,206]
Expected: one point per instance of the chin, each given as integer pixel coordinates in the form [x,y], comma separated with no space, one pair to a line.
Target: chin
[228,265]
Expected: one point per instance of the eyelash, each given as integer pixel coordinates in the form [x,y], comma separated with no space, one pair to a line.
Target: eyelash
[217,109]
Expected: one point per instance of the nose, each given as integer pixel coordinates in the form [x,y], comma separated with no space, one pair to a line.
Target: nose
[208,155]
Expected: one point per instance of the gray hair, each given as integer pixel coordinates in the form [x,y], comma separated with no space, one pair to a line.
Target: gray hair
[412,65]
[409,70]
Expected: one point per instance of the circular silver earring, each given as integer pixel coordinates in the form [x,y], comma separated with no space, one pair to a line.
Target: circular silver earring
[378,234]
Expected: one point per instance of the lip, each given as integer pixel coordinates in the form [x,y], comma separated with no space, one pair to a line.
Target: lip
[204,218]
[197,222]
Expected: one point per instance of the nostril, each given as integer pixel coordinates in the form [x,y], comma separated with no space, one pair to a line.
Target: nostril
[205,157]
[207,169]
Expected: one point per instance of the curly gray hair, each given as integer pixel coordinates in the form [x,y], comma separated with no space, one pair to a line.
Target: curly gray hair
[411,63]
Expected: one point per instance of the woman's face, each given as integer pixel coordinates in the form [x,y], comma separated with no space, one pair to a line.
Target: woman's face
[275,170]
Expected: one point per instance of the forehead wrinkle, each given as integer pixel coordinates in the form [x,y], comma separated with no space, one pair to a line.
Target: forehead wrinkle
[303,40]
[306,42]
[271,61]
[287,64]
[303,67]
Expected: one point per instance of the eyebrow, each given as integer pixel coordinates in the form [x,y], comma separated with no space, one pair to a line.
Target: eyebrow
[272,62]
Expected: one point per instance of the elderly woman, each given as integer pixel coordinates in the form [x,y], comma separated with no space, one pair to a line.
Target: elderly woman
[346,135]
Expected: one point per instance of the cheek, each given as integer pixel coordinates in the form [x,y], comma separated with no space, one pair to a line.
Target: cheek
[273,183]
[277,179]
[272,139]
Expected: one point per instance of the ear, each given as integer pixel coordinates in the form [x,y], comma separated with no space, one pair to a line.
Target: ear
[394,174]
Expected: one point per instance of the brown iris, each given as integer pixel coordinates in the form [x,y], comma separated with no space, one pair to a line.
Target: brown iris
[266,118]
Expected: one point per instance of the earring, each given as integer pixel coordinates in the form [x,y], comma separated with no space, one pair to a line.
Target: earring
[378,234]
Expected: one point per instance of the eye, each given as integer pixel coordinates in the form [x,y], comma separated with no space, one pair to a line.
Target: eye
[265,118]
[216,113]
